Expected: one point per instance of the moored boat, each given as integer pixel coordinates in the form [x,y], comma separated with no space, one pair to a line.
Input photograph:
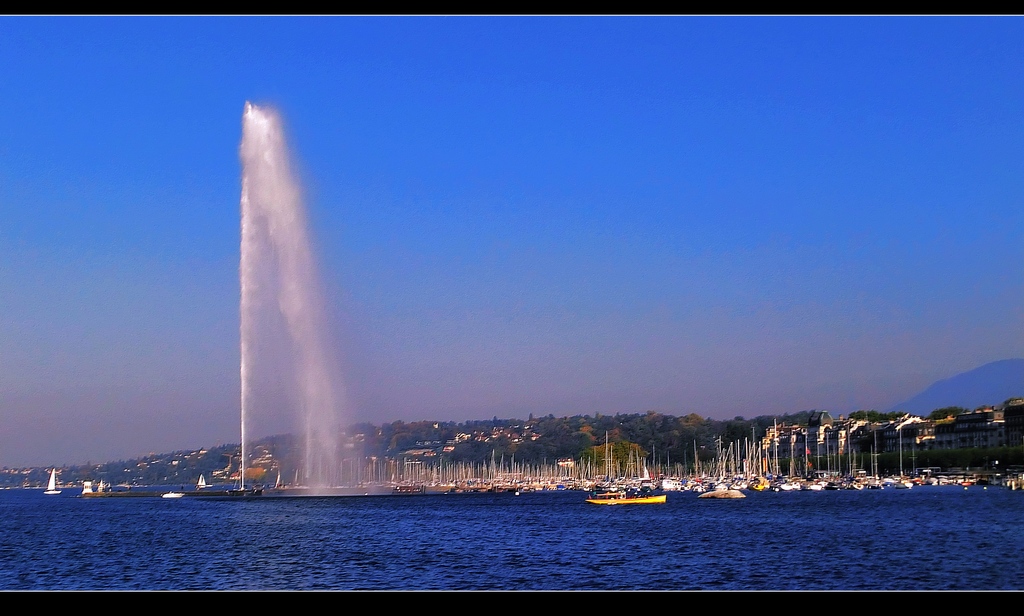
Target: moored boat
[626,497]
[759,484]
[669,484]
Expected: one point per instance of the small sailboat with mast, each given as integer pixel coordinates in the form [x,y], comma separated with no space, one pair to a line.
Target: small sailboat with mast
[51,486]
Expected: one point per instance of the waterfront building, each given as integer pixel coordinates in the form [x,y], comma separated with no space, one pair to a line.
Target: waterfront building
[982,428]
[1013,421]
[818,425]
[841,436]
[784,441]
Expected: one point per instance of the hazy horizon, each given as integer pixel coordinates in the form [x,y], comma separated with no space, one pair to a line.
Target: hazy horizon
[513,215]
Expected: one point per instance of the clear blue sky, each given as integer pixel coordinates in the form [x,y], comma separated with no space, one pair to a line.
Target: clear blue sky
[726,216]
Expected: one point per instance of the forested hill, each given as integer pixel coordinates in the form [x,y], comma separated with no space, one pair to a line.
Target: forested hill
[661,438]
[539,439]
[667,438]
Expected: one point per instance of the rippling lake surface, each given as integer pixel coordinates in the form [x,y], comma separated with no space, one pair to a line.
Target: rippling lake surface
[929,537]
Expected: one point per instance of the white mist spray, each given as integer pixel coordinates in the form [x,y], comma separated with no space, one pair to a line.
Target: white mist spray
[277,264]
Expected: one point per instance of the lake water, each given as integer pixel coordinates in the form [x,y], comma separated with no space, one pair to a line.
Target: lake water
[929,537]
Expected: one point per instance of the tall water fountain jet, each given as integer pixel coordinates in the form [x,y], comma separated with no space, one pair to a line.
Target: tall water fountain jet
[277,272]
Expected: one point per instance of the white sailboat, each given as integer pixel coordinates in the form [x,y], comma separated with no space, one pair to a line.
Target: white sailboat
[202,483]
[51,487]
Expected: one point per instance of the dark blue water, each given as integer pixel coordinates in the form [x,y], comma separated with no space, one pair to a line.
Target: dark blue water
[929,537]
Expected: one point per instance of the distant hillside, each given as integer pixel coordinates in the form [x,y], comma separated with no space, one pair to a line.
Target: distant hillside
[990,384]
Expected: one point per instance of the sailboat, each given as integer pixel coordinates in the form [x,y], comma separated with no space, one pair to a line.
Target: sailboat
[202,483]
[51,487]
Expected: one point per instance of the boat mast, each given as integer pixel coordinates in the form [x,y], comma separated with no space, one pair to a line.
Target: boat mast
[874,455]
[696,460]
[899,435]
[775,445]
[607,460]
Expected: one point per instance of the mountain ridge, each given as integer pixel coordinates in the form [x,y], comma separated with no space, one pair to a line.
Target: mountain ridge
[988,384]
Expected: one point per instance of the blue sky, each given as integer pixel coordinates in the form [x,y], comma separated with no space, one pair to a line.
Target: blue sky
[726,216]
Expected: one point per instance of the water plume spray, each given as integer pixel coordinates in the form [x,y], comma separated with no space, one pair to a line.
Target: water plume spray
[277,270]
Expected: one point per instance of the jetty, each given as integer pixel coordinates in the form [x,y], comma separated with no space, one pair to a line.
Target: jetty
[102,490]
[161,493]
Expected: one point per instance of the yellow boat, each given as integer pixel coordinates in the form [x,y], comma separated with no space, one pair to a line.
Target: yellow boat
[625,498]
[760,484]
